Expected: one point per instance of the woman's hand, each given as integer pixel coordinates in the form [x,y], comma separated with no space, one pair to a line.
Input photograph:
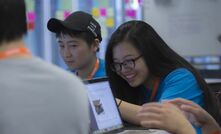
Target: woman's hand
[164,116]
[204,119]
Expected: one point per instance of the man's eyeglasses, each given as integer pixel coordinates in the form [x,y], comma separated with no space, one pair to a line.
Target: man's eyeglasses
[128,64]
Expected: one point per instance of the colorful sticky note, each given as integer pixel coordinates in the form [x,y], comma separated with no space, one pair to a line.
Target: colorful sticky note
[103,12]
[126,1]
[110,22]
[31,16]
[30,5]
[31,25]
[95,12]
[66,14]
[110,12]
[130,13]
[140,1]
[59,15]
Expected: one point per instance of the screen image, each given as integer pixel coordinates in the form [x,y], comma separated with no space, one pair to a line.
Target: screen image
[103,106]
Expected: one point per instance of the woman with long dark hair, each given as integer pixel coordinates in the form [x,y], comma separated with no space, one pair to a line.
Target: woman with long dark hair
[142,68]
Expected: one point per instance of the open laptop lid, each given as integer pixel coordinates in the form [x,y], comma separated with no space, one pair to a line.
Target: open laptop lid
[104,113]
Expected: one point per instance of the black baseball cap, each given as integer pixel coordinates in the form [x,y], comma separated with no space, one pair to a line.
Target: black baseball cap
[77,21]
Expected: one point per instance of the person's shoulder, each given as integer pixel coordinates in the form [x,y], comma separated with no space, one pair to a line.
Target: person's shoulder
[102,62]
[53,70]
[181,83]
[179,74]
[179,71]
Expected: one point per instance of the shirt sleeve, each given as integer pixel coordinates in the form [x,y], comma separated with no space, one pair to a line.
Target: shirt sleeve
[181,83]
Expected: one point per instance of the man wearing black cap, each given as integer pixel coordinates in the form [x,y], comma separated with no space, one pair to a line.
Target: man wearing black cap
[79,36]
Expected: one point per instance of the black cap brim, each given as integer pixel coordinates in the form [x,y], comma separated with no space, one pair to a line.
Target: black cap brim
[55,26]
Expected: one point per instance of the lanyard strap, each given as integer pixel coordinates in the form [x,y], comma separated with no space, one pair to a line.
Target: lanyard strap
[155,88]
[96,66]
[14,51]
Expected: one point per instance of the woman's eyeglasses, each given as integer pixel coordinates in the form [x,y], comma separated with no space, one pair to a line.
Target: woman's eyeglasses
[128,64]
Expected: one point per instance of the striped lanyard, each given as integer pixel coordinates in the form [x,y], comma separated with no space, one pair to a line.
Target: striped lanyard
[96,66]
[155,88]
[14,51]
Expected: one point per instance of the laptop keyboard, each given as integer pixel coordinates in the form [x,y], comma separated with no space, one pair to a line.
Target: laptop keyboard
[136,132]
[144,132]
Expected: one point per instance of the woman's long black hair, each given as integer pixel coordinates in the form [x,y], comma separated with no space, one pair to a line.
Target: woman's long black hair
[159,57]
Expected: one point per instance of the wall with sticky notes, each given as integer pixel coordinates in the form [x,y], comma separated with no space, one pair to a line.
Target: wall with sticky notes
[31,15]
[109,13]
[103,11]
[132,10]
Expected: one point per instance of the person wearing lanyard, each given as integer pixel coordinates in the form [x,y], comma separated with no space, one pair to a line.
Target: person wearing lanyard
[142,68]
[79,36]
[35,96]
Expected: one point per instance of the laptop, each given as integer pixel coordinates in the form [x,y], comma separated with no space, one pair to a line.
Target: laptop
[104,113]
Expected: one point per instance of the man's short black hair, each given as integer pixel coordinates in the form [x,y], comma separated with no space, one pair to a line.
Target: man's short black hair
[13,20]
[82,35]
[86,36]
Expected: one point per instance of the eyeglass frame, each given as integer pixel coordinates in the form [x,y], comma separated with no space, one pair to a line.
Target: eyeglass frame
[124,64]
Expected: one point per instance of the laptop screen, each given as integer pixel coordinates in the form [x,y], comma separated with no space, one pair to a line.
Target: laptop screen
[104,113]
